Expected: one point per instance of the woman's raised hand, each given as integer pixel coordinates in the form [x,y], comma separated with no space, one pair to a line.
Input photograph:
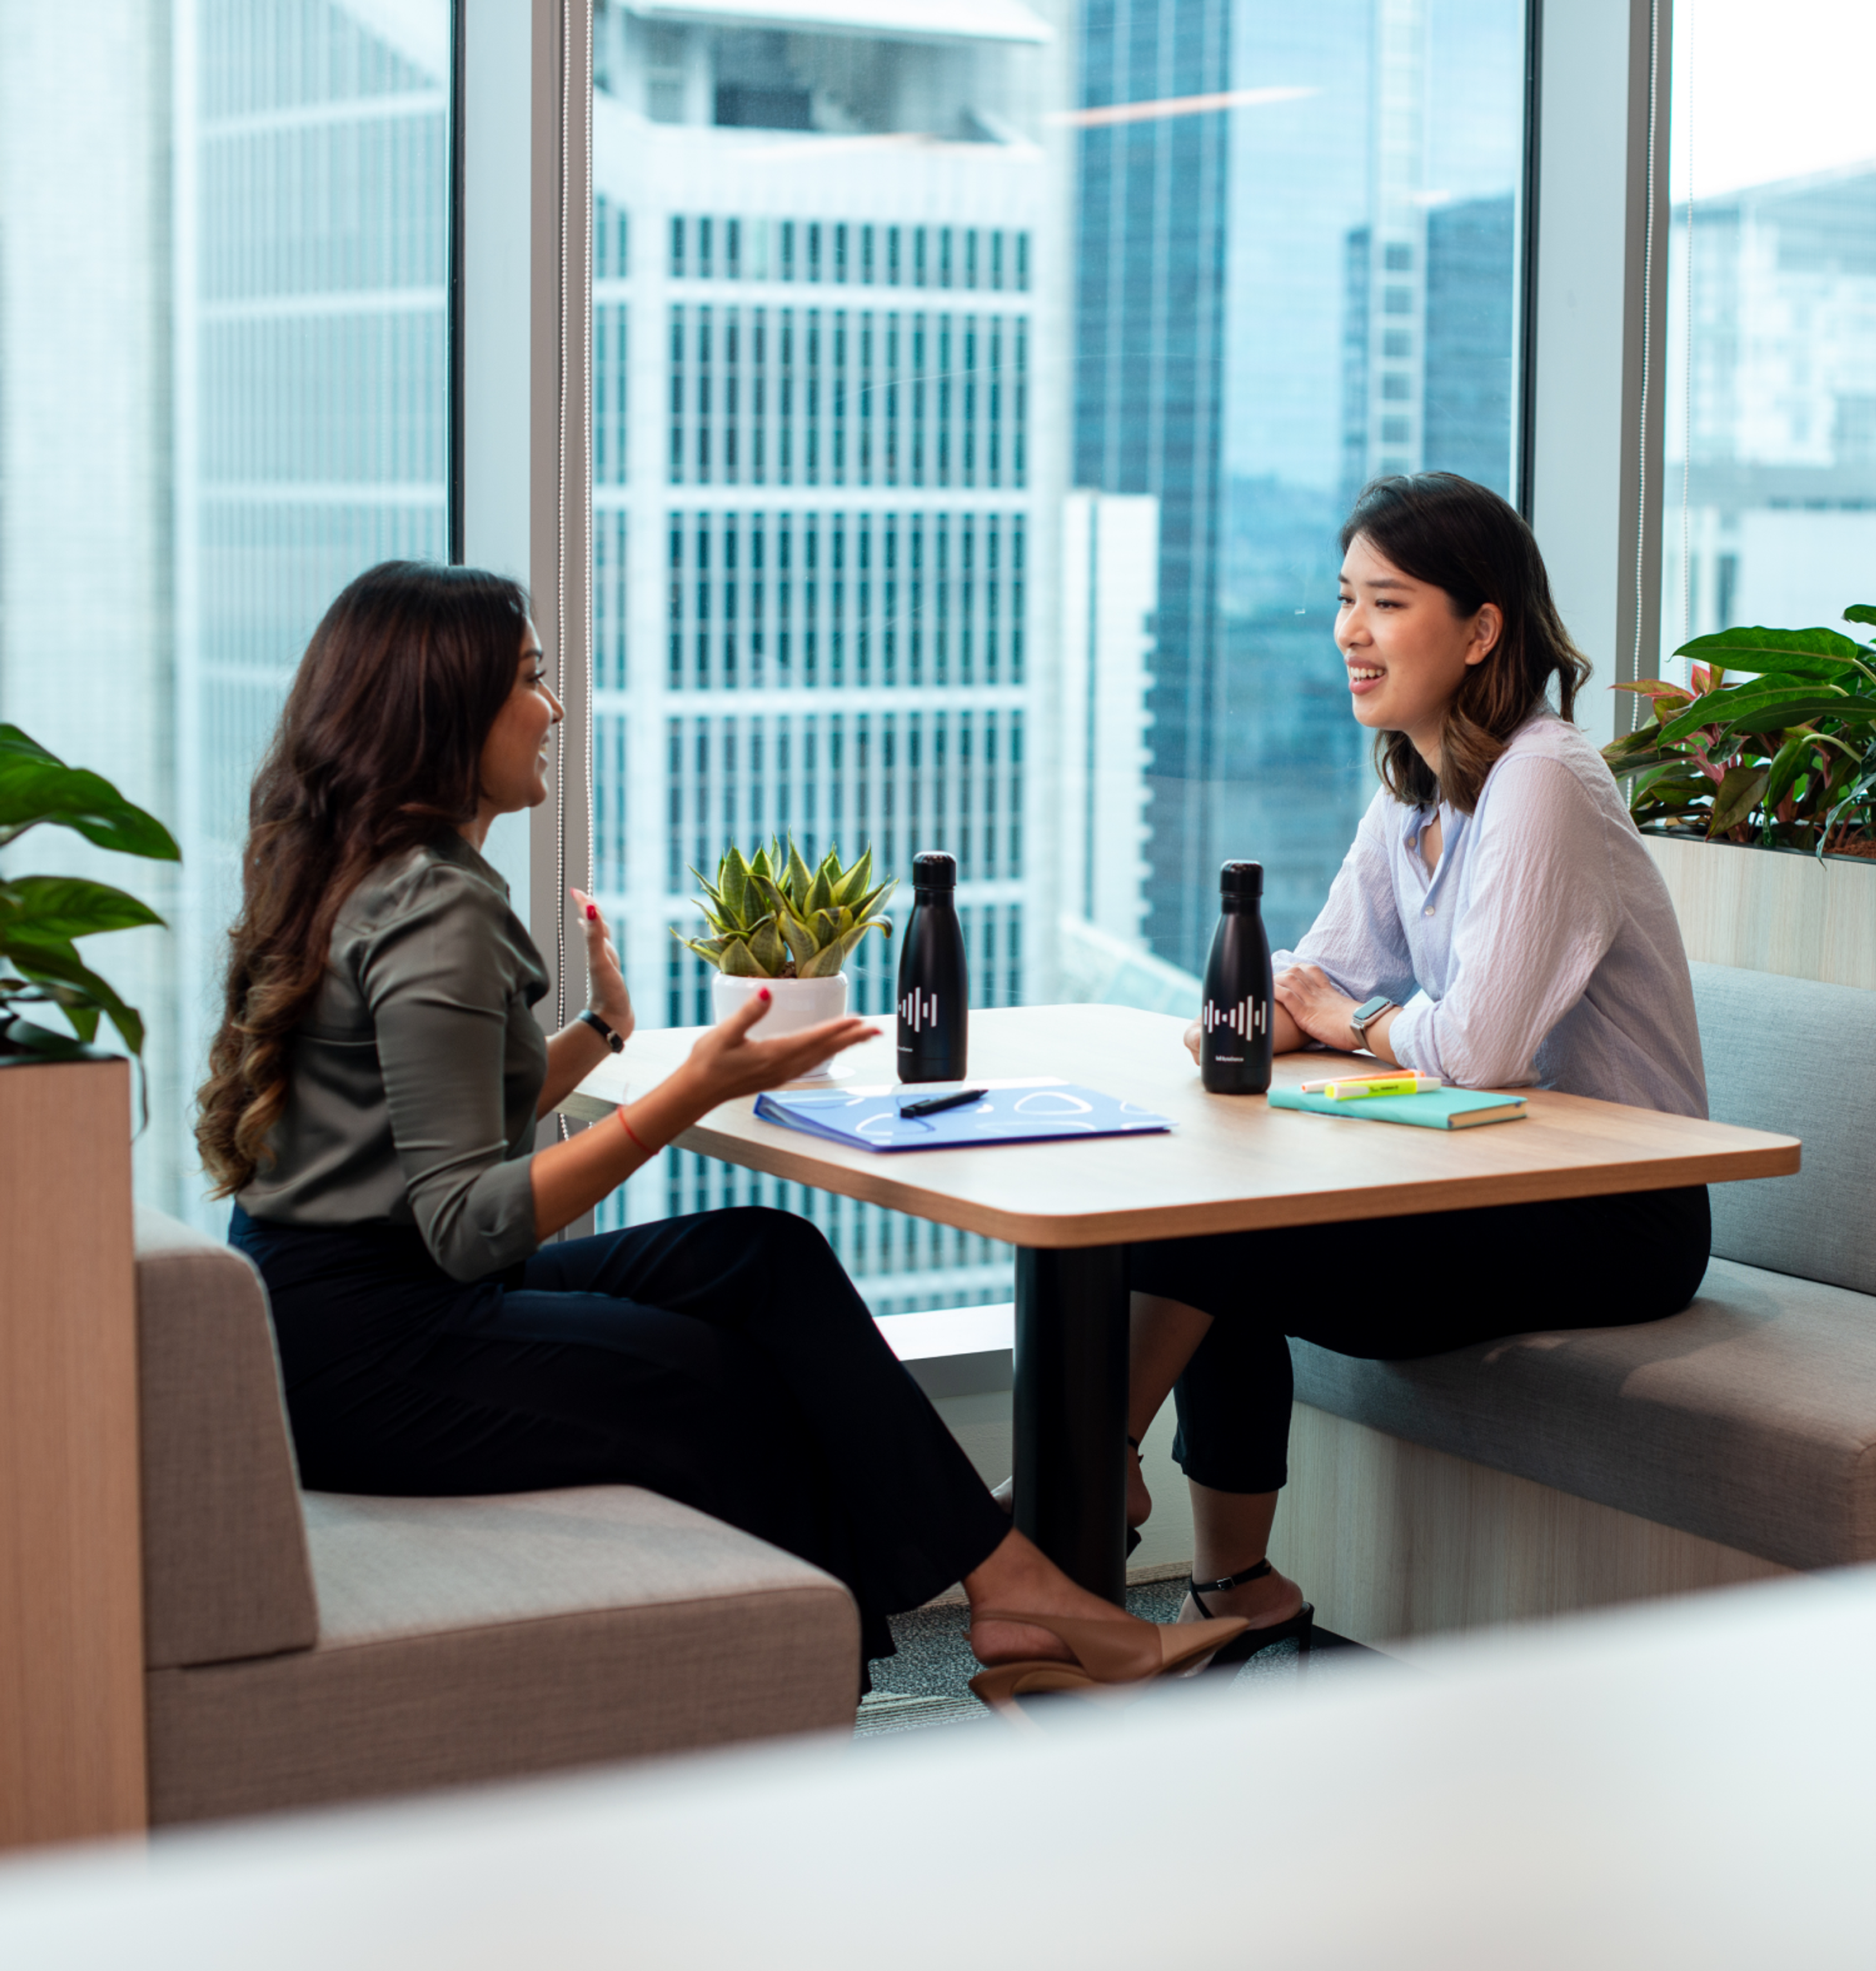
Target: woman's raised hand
[611,1000]
[729,1062]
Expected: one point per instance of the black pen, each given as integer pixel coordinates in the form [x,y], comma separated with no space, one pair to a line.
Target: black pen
[932,1104]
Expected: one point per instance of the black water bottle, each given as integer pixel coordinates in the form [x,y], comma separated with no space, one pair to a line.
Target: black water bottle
[1235,1050]
[934,990]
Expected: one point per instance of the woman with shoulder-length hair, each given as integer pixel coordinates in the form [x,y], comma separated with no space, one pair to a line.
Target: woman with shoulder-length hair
[371,1107]
[1497,923]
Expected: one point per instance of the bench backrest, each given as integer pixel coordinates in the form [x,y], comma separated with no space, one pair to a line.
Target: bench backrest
[225,1568]
[1789,1054]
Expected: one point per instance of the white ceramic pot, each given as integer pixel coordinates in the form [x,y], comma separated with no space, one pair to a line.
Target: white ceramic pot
[794,1003]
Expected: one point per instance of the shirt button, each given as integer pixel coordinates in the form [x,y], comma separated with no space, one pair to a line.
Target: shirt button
[1427,912]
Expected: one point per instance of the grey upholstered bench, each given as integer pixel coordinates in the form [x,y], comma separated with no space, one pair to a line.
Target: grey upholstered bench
[304,1648]
[1557,1470]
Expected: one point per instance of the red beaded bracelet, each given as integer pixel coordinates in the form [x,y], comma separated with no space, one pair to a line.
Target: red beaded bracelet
[633,1133]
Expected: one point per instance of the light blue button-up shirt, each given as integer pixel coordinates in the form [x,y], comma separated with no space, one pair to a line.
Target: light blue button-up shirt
[1543,949]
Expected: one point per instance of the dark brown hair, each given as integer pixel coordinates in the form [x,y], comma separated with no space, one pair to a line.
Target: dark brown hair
[1463,538]
[378,750]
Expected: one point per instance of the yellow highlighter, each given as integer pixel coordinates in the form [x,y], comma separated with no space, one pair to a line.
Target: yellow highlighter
[1355,1088]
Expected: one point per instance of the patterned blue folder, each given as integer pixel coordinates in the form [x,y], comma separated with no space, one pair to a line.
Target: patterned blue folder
[1024,1112]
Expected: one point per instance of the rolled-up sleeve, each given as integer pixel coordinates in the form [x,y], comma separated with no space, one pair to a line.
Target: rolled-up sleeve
[440,997]
[1357,939]
[1540,913]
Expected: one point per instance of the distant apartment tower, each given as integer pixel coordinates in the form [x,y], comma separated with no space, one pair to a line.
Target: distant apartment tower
[1778,466]
[823,570]
[1427,373]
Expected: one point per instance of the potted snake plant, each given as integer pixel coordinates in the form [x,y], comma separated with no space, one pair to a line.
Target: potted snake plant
[776,923]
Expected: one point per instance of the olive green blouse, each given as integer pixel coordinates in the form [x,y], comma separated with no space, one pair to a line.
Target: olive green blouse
[413,1080]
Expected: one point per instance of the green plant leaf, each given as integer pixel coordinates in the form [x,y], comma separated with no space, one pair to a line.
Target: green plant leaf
[1764,704]
[767,949]
[736,961]
[54,962]
[1787,763]
[853,885]
[1861,612]
[821,890]
[798,880]
[70,906]
[733,883]
[35,787]
[1794,652]
[1737,795]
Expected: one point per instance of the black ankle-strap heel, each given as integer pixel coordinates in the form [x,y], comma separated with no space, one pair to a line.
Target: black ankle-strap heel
[1133,1532]
[1241,1648]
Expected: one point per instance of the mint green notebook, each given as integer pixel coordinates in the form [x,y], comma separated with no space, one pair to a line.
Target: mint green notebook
[1437,1109]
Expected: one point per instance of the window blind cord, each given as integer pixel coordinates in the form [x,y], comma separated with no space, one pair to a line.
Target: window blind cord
[1648,252]
[1684,56]
[560,545]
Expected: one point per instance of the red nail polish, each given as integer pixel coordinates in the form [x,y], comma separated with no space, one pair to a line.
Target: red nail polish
[763,996]
[592,911]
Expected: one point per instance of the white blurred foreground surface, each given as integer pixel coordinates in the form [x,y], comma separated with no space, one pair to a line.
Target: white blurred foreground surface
[1684,1786]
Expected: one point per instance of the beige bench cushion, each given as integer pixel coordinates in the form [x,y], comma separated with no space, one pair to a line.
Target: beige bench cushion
[1749,1419]
[463,1640]
[225,1568]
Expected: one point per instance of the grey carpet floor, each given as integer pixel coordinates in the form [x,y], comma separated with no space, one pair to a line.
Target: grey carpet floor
[925,1685]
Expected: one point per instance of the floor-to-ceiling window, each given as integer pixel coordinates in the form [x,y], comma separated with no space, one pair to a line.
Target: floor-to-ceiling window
[1769,498]
[977,394]
[223,232]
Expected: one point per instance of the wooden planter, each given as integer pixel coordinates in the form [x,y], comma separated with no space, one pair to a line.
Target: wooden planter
[1774,909]
[71,1607]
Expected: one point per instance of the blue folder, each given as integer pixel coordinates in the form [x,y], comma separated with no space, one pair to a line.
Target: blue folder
[1028,1113]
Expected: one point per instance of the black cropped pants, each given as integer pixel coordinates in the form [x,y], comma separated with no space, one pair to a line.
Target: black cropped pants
[723,1359]
[1390,1289]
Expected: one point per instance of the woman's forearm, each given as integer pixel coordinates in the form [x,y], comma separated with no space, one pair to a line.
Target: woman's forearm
[570,1178]
[572,1054]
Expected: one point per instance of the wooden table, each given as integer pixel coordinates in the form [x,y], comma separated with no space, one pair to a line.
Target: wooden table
[1231,1164]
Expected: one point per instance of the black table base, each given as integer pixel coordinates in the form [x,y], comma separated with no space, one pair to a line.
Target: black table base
[1070,1411]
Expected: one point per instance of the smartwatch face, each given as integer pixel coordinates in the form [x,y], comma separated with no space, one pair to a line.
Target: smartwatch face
[1370,1009]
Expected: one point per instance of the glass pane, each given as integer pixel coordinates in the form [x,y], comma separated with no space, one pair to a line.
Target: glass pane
[978,395]
[1769,499]
[223,225]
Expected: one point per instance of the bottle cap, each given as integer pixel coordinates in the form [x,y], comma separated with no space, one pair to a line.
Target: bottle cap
[1241,879]
[934,870]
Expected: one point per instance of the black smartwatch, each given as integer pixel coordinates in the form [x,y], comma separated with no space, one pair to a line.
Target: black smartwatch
[615,1041]
[1365,1016]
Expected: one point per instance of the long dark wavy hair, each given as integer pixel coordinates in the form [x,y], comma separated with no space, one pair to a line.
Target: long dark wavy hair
[378,750]
[1463,538]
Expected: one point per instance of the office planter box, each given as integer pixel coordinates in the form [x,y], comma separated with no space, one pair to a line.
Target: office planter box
[1772,909]
[71,1614]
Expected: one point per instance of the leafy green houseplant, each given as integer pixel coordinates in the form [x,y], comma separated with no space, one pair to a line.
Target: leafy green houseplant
[770,916]
[1784,757]
[41,917]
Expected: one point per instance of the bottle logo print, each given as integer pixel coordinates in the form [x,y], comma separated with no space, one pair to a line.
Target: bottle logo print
[1247,1017]
[919,1010]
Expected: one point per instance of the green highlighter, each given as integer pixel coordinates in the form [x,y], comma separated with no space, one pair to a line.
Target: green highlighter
[1437,1108]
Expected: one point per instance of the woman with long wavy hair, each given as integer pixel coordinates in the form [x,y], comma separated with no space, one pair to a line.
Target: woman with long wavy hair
[371,1107]
[1498,924]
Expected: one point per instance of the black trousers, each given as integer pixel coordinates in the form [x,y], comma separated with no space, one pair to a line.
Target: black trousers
[1390,1289]
[724,1360]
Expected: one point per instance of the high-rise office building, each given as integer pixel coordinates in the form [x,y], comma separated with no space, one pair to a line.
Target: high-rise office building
[1287,220]
[827,488]
[1771,489]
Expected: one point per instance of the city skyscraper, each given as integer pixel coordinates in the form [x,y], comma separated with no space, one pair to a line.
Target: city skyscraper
[828,485]
[1771,489]
[1294,275]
